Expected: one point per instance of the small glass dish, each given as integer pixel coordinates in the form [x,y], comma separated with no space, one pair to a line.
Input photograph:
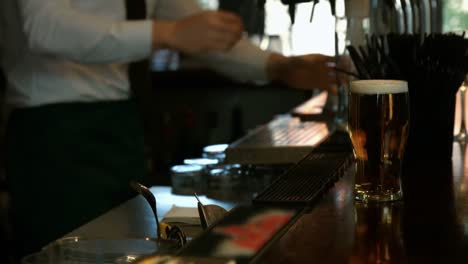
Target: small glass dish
[98,250]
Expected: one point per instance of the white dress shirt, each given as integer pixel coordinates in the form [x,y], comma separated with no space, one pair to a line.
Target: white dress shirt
[78,50]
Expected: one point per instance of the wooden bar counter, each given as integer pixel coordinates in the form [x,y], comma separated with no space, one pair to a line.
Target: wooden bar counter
[429,226]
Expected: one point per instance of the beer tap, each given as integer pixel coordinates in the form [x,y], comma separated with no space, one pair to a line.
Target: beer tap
[292,7]
[332,6]
[261,4]
[407,16]
[292,13]
[313,10]
[436,16]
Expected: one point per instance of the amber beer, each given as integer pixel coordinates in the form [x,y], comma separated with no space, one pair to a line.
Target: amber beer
[377,236]
[378,127]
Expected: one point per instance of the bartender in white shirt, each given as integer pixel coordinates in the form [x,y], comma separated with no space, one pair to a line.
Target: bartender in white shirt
[74,139]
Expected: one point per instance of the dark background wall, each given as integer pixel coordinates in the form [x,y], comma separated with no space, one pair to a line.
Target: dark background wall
[5,232]
[196,108]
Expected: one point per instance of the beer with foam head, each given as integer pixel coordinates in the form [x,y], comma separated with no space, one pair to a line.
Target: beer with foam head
[378,127]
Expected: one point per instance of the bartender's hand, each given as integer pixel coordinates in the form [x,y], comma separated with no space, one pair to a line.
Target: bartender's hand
[203,32]
[313,71]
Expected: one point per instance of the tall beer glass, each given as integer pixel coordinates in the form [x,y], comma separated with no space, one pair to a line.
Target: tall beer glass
[378,127]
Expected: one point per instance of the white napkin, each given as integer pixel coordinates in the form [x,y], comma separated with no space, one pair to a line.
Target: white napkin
[185,215]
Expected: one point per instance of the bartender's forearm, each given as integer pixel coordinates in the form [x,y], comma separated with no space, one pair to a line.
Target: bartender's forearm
[160,34]
[312,71]
[277,66]
[243,62]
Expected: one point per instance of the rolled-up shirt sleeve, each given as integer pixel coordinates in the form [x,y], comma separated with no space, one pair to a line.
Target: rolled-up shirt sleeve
[53,27]
[244,62]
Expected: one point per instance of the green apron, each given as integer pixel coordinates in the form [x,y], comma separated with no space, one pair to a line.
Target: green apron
[68,163]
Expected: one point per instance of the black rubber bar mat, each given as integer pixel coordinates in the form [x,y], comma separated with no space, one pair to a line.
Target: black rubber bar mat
[308,180]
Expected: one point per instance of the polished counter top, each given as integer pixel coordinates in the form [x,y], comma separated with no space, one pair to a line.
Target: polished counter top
[429,226]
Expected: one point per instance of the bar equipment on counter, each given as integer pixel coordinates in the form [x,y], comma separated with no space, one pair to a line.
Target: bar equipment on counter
[210,213]
[172,234]
[231,180]
[207,165]
[209,175]
[202,162]
[187,179]
[305,182]
[227,183]
[284,140]
[216,151]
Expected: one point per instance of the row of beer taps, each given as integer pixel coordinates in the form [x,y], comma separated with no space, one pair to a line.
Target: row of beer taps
[387,16]
[406,16]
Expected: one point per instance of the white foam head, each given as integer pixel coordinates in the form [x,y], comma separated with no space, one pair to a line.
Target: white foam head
[379,87]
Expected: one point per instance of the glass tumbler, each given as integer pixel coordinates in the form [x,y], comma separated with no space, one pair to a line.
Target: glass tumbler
[378,127]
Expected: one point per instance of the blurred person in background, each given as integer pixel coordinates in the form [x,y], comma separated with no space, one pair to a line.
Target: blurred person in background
[74,137]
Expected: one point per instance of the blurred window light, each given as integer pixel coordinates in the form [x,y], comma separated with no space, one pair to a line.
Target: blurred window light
[209,4]
[304,36]
[316,36]
[455,16]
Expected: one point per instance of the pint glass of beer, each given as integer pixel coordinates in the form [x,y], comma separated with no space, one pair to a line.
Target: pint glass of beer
[378,128]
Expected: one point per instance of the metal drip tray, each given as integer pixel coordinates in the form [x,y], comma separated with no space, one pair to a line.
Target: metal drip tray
[285,140]
[310,178]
